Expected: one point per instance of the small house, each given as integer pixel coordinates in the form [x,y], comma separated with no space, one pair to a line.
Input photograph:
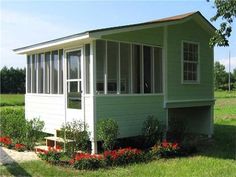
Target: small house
[162,68]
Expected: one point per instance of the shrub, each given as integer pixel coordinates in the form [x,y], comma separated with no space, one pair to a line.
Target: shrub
[51,155]
[77,131]
[107,132]
[87,161]
[13,123]
[151,131]
[34,132]
[166,149]
[123,156]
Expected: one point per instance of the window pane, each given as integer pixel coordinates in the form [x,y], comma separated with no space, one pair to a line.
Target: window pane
[112,66]
[87,67]
[158,70]
[74,95]
[125,73]
[28,74]
[190,61]
[54,72]
[147,69]
[47,72]
[136,56]
[61,71]
[100,64]
[73,65]
[34,74]
[40,72]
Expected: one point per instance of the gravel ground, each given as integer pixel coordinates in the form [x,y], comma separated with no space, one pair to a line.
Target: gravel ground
[8,156]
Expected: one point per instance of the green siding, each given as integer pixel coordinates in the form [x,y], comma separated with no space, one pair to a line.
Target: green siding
[151,36]
[189,31]
[130,111]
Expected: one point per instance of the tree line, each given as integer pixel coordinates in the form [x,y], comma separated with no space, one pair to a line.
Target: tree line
[221,77]
[12,80]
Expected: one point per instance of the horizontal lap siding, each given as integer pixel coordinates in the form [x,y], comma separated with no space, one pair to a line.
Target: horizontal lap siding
[189,31]
[50,109]
[151,36]
[130,111]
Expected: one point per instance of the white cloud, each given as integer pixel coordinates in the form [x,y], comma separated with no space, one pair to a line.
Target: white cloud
[20,29]
[225,61]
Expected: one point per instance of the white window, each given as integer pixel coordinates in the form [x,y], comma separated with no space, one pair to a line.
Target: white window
[87,67]
[61,71]
[47,73]
[190,62]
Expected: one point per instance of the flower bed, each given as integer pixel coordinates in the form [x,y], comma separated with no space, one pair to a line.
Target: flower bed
[7,142]
[119,157]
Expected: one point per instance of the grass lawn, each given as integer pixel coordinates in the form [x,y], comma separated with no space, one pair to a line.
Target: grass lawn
[216,159]
[12,99]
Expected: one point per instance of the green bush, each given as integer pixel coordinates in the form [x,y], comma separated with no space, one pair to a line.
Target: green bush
[13,124]
[77,131]
[151,131]
[89,164]
[34,132]
[107,131]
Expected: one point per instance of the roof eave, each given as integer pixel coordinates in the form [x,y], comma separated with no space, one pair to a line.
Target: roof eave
[52,43]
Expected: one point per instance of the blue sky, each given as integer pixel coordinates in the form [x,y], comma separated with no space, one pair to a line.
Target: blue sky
[28,22]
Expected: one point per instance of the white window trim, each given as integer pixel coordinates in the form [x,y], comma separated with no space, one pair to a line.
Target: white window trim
[182,63]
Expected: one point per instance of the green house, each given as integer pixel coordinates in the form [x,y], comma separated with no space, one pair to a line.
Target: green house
[162,68]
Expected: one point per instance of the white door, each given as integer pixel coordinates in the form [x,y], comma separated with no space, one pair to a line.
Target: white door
[74,85]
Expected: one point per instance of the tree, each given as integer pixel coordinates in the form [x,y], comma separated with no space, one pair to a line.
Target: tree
[12,80]
[226,9]
[220,75]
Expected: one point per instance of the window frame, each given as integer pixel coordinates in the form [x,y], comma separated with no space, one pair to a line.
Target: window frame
[197,81]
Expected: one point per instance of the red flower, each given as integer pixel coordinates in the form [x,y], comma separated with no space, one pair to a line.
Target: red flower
[20,147]
[6,140]
[165,144]
[175,145]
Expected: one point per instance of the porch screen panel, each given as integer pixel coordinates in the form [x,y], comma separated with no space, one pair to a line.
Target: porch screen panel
[112,66]
[125,68]
[47,73]
[60,72]
[136,63]
[29,74]
[40,72]
[54,72]
[158,71]
[147,69]
[87,67]
[34,64]
[100,65]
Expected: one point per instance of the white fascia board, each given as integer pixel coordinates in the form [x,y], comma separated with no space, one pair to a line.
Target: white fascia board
[50,44]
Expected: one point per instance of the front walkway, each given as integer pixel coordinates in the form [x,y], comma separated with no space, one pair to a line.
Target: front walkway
[8,156]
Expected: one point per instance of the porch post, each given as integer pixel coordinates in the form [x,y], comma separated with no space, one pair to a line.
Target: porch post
[93,96]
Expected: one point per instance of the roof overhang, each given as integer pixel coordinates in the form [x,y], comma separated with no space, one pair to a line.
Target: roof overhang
[96,34]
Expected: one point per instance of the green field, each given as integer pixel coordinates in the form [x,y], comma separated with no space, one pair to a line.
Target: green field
[12,100]
[217,158]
